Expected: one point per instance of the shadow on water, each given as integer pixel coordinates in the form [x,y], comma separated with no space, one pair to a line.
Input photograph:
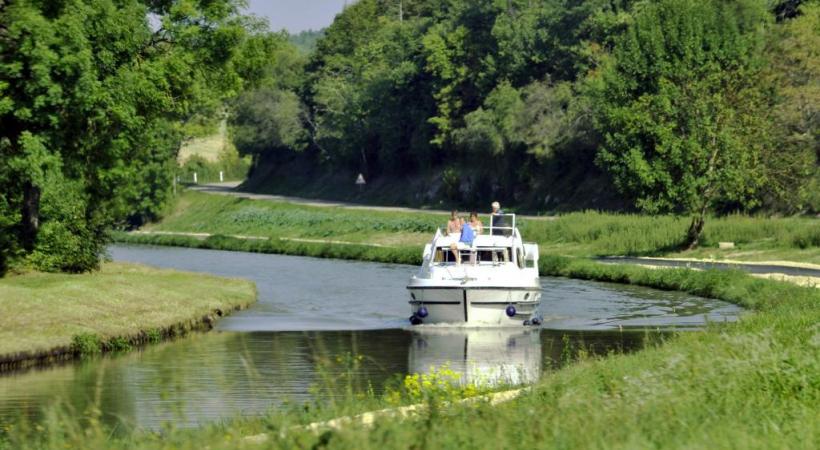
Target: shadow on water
[311,318]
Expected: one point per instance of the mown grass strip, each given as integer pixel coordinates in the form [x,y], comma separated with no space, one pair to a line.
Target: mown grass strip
[576,234]
[44,317]
[350,251]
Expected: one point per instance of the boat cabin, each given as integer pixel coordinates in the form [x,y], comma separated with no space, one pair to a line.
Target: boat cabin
[500,244]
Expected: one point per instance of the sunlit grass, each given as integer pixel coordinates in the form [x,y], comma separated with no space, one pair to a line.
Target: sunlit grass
[43,311]
[575,234]
[600,234]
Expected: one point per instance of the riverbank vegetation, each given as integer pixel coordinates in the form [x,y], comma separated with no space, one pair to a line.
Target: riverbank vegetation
[57,316]
[588,234]
[747,384]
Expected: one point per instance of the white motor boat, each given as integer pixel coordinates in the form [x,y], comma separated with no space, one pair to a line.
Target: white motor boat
[495,283]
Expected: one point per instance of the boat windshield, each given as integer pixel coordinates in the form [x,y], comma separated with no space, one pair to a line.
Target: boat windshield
[502,224]
[494,255]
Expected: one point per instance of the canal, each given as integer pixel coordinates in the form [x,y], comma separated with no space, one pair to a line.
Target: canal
[320,323]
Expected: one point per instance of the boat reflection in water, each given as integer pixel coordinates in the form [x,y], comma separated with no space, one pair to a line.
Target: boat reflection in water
[483,356]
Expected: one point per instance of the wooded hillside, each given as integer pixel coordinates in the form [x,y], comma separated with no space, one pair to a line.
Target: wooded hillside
[680,105]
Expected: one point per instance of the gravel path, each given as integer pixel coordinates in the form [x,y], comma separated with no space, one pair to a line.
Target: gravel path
[230,188]
[810,272]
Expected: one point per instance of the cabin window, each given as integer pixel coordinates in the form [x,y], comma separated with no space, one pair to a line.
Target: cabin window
[444,255]
[494,256]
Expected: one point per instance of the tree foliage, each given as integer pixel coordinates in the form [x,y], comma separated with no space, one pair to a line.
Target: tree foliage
[688,106]
[794,71]
[268,119]
[682,110]
[682,103]
[91,98]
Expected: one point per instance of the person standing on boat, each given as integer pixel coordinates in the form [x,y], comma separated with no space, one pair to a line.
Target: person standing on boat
[465,241]
[497,219]
[454,224]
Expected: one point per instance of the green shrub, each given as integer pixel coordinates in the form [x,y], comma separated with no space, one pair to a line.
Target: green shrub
[63,247]
[202,125]
[153,335]
[451,183]
[86,344]
[8,219]
[398,255]
[229,163]
[66,241]
[633,234]
[807,238]
[118,344]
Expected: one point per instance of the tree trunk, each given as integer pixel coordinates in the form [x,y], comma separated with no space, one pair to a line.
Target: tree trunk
[31,215]
[254,165]
[695,230]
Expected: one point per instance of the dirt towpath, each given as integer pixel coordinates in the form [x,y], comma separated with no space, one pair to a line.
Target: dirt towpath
[230,188]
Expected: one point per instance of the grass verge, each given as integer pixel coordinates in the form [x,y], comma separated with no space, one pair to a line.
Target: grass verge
[749,384]
[397,255]
[47,316]
[576,234]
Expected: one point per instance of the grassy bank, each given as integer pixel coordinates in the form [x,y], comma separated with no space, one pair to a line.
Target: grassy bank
[358,252]
[50,316]
[750,384]
[576,234]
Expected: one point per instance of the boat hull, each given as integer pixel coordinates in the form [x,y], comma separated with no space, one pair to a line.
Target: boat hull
[478,305]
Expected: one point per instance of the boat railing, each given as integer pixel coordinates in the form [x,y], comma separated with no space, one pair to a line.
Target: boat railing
[502,224]
[473,255]
[431,247]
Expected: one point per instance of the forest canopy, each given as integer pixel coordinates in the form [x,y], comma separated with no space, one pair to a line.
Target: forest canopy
[666,106]
[682,106]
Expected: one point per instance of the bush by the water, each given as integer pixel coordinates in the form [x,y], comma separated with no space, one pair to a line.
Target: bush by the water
[327,223]
[397,255]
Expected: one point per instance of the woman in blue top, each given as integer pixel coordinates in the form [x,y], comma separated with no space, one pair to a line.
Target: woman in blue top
[465,241]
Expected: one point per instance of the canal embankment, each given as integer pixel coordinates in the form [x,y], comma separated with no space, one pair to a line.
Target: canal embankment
[231,219]
[47,317]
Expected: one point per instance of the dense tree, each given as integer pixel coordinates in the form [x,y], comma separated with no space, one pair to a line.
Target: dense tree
[305,41]
[504,93]
[794,71]
[90,94]
[554,118]
[268,119]
[682,110]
